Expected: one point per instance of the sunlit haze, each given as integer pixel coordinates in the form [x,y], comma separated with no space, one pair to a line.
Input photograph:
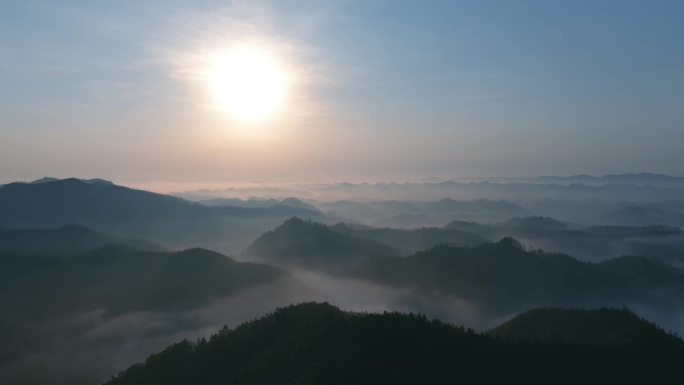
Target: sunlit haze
[157,94]
[248,82]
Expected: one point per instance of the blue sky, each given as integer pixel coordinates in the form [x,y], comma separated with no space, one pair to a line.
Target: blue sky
[384,91]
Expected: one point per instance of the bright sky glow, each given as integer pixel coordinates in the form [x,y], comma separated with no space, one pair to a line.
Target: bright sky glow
[207,92]
[248,82]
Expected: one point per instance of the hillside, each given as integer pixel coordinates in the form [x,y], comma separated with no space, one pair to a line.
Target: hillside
[52,203]
[71,239]
[409,213]
[503,276]
[302,240]
[76,201]
[606,327]
[319,344]
[119,279]
[409,241]
[76,317]
[526,227]
[642,216]
[594,243]
[129,213]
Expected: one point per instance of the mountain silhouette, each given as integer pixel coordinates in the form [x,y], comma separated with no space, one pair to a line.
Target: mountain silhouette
[409,241]
[607,327]
[421,213]
[71,239]
[595,242]
[642,216]
[260,203]
[503,276]
[629,178]
[118,278]
[130,213]
[302,240]
[66,201]
[314,343]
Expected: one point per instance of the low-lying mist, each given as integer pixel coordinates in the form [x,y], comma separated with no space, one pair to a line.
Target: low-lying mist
[89,347]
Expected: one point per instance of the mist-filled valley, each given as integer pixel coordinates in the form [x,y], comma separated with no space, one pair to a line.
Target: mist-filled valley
[96,277]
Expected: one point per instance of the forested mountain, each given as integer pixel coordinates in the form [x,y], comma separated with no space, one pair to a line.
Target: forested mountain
[409,241]
[618,328]
[307,241]
[503,276]
[77,317]
[319,344]
[71,239]
[545,227]
[593,242]
[297,238]
[117,278]
[498,277]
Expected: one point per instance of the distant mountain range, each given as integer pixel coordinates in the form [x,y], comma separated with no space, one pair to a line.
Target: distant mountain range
[595,242]
[642,216]
[314,343]
[643,187]
[48,179]
[630,178]
[259,203]
[129,213]
[423,213]
[545,227]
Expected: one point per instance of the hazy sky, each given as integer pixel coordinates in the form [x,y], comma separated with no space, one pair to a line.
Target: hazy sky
[376,90]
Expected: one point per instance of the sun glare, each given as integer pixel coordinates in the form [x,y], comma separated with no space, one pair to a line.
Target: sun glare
[248,83]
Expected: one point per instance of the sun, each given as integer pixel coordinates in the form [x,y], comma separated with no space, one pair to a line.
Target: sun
[248,82]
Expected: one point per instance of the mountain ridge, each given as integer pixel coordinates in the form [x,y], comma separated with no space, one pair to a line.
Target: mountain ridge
[313,343]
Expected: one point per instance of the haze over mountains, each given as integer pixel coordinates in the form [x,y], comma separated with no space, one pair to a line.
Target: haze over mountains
[96,277]
[130,213]
[499,277]
[570,199]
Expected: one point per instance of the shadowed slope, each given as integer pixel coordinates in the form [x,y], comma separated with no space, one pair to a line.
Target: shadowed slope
[71,239]
[412,240]
[126,213]
[119,279]
[504,276]
[299,239]
[318,344]
[607,327]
